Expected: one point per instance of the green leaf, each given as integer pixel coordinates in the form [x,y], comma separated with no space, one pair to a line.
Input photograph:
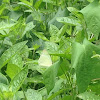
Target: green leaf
[88,96]
[87,68]
[2,7]
[14,15]
[56,33]
[29,26]
[36,79]
[95,86]
[4,25]
[11,52]
[3,87]
[60,13]
[92,16]
[12,70]
[40,35]
[18,80]
[17,60]
[33,95]
[77,50]
[3,79]
[26,2]
[50,76]
[63,67]
[50,1]
[37,4]
[68,20]
[90,0]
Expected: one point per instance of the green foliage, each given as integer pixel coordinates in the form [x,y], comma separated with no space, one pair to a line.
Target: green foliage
[50,76]
[49,50]
[87,68]
[89,96]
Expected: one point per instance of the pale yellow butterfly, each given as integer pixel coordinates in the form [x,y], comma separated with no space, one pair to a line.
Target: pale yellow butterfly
[45,59]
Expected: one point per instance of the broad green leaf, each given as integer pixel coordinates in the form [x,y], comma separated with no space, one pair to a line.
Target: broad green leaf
[3,87]
[27,5]
[95,86]
[63,67]
[92,16]
[33,95]
[26,2]
[56,88]
[3,79]
[56,33]
[29,26]
[6,1]
[2,7]
[77,50]
[37,4]
[45,59]
[17,60]
[18,95]
[68,20]
[87,68]
[51,47]
[53,30]
[73,10]
[50,1]
[12,70]
[40,35]
[60,13]
[11,52]
[50,76]
[88,96]
[68,97]
[4,25]
[36,79]
[14,15]
[18,80]
[90,0]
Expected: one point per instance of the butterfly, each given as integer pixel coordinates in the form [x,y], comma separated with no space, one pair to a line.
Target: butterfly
[45,59]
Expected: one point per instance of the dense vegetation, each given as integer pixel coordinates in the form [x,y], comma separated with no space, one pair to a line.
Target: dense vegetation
[49,50]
